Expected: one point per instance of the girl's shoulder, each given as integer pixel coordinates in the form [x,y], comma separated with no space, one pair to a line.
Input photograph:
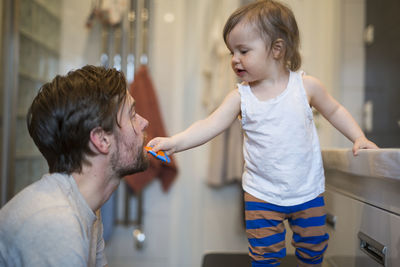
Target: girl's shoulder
[311,84]
[235,93]
[310,80]
[242,88]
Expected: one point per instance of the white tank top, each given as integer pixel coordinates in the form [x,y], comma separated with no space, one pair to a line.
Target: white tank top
[283,163]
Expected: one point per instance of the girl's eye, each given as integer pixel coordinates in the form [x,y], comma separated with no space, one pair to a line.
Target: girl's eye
[243,51]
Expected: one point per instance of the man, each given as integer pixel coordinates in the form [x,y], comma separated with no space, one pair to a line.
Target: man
[86,127]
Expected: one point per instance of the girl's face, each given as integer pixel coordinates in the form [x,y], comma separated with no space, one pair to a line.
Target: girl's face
[251,60]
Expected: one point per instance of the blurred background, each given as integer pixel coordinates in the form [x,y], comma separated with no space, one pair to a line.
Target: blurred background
[352,46]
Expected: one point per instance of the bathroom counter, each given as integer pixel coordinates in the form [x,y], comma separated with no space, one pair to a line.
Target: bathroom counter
[383,163]
[372,177]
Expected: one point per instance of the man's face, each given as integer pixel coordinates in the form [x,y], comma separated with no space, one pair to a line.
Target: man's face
[129,156]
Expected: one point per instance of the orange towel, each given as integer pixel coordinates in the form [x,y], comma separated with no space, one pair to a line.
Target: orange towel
[143,92]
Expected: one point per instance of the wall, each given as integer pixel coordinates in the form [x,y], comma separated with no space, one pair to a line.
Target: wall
[352,61]
[191,218]
[79,45]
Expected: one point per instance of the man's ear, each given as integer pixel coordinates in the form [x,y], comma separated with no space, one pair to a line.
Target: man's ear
[278,48]
[100,140]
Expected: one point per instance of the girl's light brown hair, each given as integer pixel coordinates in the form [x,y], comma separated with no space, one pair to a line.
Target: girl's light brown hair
[274,21]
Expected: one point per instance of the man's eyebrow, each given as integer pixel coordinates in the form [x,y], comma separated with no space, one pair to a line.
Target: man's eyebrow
[132,108]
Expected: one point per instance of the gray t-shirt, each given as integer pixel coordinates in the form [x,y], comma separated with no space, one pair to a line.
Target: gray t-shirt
[49,223]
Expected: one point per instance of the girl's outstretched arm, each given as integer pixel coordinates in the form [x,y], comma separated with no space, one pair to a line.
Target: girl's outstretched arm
[336,114]
[203,130]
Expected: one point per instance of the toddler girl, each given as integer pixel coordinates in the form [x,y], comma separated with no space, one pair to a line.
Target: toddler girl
[283,174]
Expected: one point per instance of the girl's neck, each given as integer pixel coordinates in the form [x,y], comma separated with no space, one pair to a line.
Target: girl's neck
[273,78]
[272,86]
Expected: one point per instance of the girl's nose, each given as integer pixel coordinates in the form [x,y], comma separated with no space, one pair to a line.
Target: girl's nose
[235,58]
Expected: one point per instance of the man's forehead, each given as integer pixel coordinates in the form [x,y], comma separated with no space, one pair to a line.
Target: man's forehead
[129,99]
[127,105]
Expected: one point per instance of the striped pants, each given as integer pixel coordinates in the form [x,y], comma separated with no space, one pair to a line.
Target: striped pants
[266,231]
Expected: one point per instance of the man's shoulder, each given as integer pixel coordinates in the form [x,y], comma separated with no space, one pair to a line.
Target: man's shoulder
[39,229]
[54,231]
[43,221]
[36,201]
[25,218]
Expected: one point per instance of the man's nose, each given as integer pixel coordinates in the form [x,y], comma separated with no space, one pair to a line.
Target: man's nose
[145,123]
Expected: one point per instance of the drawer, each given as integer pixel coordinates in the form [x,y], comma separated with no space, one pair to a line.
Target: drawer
[348,218]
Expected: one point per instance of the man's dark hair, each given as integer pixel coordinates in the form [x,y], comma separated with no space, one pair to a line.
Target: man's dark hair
[66,109]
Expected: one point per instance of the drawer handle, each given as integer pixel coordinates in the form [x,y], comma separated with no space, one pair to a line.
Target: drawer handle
[331,220]
[373,248]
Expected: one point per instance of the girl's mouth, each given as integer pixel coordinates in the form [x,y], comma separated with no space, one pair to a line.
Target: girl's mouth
[240,72]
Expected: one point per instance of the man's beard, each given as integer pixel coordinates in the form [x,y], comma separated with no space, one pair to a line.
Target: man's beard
[141,163]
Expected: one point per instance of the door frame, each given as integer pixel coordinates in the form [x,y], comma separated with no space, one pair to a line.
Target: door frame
[9,86]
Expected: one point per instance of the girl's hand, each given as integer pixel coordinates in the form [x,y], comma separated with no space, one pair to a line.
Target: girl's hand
[165,144]
[363,143]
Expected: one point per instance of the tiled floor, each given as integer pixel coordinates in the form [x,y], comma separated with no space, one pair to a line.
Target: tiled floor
[121,252]
[120,248]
